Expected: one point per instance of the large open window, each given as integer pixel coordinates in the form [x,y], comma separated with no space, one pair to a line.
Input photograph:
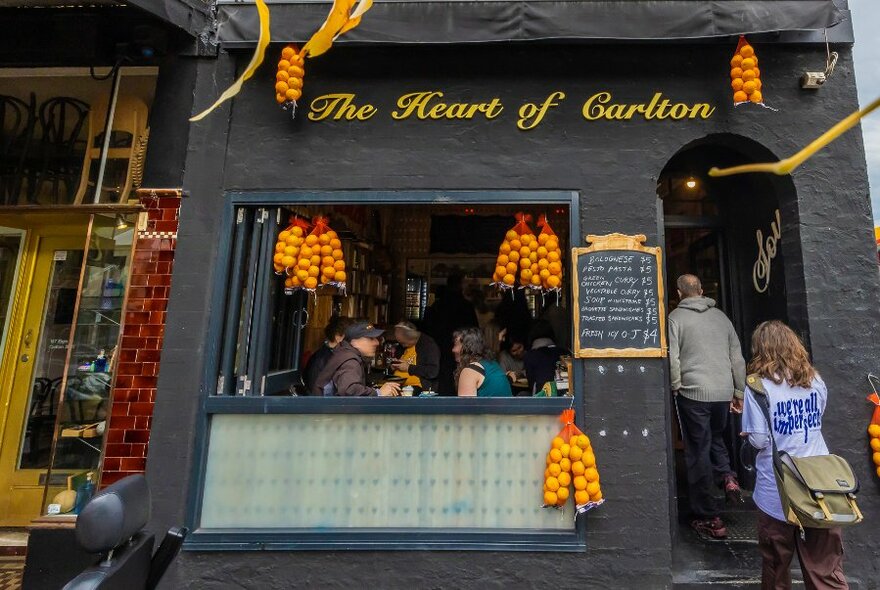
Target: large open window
[282,469]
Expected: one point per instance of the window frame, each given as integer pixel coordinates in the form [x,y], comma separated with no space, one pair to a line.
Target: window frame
[287,539]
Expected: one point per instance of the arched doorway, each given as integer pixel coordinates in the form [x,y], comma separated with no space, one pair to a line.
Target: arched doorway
[738,235]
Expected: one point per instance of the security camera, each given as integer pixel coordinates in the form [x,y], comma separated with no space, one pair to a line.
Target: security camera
[812,80]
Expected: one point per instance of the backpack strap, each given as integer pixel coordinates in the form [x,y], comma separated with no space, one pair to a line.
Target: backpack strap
[755,384]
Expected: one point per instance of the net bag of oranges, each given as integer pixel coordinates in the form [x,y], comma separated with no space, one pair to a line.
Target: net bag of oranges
[289,78]
[571,463]
[874,429]
[549,257]
[287,247]
[745,76]
[518,257]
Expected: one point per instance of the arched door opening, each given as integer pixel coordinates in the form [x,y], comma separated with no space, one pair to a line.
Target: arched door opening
[729,232]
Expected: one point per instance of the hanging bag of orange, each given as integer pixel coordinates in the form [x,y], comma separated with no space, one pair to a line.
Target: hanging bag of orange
[745,76]
[874,426]
[549,257]
[320,260]
[571,463]
[287,248]
[517,256]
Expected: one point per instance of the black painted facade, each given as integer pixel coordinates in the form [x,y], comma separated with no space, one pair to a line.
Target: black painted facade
[830,268]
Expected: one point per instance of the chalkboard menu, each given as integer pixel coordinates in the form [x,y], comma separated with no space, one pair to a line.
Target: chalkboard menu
[618,289]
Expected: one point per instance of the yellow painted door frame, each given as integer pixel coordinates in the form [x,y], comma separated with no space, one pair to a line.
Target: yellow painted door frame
[21,490]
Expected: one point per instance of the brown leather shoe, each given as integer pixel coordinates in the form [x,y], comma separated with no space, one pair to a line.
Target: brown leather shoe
[710,527]
[732,489]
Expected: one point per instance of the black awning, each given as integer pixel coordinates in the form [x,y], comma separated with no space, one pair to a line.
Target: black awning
[432,21]
[192,16]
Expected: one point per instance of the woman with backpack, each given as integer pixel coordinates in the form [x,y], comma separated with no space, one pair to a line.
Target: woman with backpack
[780,367]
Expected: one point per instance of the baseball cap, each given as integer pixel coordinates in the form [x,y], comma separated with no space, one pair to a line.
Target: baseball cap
[363,330]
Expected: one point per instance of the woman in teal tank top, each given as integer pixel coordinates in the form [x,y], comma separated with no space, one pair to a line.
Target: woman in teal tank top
[477,374]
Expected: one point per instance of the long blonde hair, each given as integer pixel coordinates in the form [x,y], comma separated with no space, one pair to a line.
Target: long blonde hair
[778,354]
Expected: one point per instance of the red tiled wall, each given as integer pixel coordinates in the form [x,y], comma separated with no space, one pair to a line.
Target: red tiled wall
[128,428]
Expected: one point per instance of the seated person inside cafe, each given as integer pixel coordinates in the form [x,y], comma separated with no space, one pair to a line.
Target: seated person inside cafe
[477,375]
[417,359]
[345,373]
[512,360]
[540,361]
[334,333]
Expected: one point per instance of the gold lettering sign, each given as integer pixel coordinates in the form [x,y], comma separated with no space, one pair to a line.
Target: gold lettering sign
[600,107]
[427,105]
[766,253]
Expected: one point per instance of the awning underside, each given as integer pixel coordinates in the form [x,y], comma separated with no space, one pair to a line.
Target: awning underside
[499,20]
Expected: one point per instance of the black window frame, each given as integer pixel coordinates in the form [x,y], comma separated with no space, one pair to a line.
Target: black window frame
[216,401]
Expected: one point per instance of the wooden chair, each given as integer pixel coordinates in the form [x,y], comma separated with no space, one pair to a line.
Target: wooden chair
[126,140]
[18,120]
[60,150]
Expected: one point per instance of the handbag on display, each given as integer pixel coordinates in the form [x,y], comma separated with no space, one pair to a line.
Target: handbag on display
[816,492]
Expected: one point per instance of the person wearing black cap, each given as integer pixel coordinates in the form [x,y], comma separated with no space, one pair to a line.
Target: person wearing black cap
[346,371]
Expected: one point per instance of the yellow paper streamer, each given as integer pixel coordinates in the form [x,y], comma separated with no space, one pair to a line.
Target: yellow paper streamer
[256,60]
[340,20]
[787,165]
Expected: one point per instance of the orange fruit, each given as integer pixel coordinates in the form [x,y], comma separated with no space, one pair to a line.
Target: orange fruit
[525,251]
[504,248]
[515,245]
[555,455]
[293,94]
[736,61]
[329,272]
[512,267]
[578,468]
[305,252]
[565,448]
[543,263]
[281,87]
[502,260]
[315,260]
[501,270]
[287,53]
[291,250]
[564,479]
[553,281]
[876,458]
[544,274]
[324,239]
[584,441]
[327,261]
[757,72]
[542,252]
[575,453]
[736,73]
[337,254]
[314,272]
[295,83]
[280,246]
[508,279]
[283,235]
[749,87]
[339,265]
[552,256]
[758,83]
[542,238]
[311,240]
[550,498]
[533,257]
[326,249]
[297,231]
[580,482]
[593,488]
[295,71]
[278,257]
[581,497]
[280,98]
[589,459]
[756,96]
[525,263]
[875,444]
[552,244]
[335,243]
[552,484]
[562,494]
[511,235]
[283,64]
[339,277]
[874,430]
[747,51]
[555,268]
[748,63]
[536,280]
[287,261]
[749,75]
[513,256]
[302,275]
[288,282]
[311,283]
[526,239]
[303,263]
[736,84]
[596,497]
[591,474]
[554,469]
[526,275]
[565,464]
[740,96]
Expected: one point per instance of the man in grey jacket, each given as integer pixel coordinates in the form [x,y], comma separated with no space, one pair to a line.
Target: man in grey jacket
[708,378]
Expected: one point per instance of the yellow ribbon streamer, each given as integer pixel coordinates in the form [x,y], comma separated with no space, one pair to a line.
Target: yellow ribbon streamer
[256,60]
[787,165]
[340,20]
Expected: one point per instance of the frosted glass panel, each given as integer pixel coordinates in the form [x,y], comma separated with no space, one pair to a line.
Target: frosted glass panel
[388,471]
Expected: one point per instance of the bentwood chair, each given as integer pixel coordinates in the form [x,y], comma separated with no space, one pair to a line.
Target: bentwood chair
[17,123]
[61,150]
[112,525]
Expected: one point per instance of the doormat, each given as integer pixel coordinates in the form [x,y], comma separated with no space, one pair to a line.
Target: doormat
[11,570]
[742,527]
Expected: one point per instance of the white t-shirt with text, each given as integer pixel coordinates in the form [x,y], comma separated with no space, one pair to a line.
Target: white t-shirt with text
[796,415]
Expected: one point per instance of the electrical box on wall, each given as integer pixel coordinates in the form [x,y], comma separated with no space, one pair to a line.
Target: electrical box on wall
[812,80]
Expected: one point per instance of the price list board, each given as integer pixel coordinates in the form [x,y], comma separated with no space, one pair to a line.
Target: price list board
[618,289]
